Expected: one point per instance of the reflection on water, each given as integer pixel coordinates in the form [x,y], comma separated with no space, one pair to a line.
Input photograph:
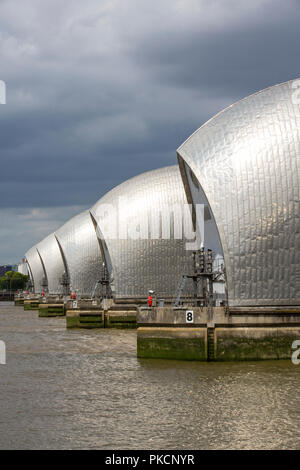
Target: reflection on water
[86,389]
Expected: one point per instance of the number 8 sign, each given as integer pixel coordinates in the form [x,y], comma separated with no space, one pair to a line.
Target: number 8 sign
[189,316]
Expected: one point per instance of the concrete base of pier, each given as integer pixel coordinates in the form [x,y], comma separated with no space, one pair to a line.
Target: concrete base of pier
[172,343]
[238,335]
[51,306]
[91,314]
[19,300]
[31,302]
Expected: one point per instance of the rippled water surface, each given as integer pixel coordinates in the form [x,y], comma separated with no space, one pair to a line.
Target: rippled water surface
[86,389]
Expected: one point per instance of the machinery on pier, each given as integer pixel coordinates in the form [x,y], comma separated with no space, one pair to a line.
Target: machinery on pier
[44,284]
[203,276]
[65,283]
[104,282]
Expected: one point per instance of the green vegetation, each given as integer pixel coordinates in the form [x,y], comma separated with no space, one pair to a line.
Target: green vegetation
[13,281]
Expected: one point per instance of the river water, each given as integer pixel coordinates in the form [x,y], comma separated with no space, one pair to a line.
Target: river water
[85,389]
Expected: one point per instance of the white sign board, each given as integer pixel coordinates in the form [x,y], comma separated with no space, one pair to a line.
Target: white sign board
[189,316]
[75,305]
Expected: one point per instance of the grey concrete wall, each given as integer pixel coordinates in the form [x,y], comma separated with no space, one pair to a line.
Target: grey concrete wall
[280,316]
[252,334]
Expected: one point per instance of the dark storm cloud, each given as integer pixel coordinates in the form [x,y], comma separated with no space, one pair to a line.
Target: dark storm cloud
[24,225]
[234,62]
[98,92]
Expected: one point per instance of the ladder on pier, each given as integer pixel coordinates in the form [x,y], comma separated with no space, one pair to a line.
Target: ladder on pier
[180,290]
[210,344]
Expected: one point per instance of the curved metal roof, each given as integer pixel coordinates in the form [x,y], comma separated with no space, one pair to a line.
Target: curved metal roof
[80,247]
[36,269]
[127,218]
[53,262]
[247,161]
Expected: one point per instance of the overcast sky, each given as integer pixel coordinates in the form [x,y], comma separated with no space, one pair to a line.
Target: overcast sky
[101,90]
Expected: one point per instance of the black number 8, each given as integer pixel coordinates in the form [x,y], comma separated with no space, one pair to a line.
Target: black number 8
[189,316]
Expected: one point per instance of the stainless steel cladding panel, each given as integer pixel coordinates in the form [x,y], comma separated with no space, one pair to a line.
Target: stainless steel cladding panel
[53,263]
[36,270]
[247,160]
[130,219]
[81,249]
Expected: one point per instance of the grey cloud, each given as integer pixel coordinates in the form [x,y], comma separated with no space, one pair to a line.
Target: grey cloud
[23,227]
[98,92]
[230,63]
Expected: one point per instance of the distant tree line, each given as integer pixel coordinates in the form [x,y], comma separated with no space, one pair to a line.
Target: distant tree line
[13,281]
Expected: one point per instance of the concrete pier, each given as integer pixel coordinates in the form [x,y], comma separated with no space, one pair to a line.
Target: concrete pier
[31,302]
[256,333]
[51,306]
[86,313]
[19,299]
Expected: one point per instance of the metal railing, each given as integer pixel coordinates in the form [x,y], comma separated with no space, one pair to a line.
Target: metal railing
[7,295]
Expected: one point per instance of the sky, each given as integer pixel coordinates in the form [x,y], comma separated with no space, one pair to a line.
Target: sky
[98,91]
